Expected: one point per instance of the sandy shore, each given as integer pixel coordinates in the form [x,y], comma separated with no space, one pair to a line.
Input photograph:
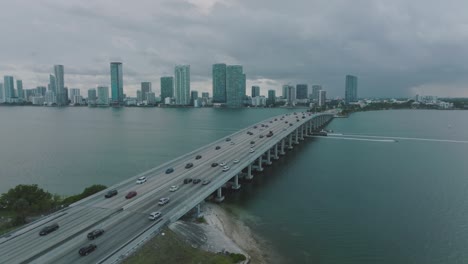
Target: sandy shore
[223,232]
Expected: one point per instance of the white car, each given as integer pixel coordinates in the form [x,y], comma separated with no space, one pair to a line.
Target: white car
[226,168]
[141,180]
[154,215]
[235,161]
[222,164]
[163,201]
[252,150]
[174,188]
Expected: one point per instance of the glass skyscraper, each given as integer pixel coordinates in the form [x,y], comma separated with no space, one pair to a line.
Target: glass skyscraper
[351,89]
[301,91]
[219,83]
[145,88]
[255,91]
[116,83]
[62,97]
[167,87]
[103,95]
[19,87]
[235,86]
[182,84]
[315,92]
[271,97]
[8,88]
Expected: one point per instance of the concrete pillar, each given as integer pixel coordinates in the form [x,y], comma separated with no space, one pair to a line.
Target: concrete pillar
[297,137]
[269,157]
[276,152]
[307,128]
[219,196]
[282,146]
[302,133]
[236,185]
[311,127]
[249,172]
[290,141]
[260,163]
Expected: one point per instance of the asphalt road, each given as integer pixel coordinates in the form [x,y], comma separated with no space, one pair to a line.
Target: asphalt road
[123,219]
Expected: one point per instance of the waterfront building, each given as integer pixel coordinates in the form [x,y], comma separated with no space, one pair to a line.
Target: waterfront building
[150,98]
[139,97]
[271,97]
[193,97]
[301,91]
[117,83]
[92,96]
[290,95]
[37,100]
[74,92]
[284,93]
[258,101]
[1,93]
[76,100]
[8,88]
[315,92]
[322,97]
[219,83]
[205,95]
[19,87]
[50,98]
[60,93]
[41,91]
[167,87]
[351,89]
[103,96]
[182,84]
[235,82]
[52,84]
[145,88]
[255,91]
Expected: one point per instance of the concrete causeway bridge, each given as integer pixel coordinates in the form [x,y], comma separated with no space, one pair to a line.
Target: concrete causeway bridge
[125,221]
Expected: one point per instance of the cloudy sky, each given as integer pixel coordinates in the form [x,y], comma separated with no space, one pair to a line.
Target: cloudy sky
[395,47]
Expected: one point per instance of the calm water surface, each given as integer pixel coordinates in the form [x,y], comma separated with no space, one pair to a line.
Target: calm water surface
[327,201]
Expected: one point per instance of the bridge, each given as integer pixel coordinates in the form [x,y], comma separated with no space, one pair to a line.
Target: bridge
[126,222]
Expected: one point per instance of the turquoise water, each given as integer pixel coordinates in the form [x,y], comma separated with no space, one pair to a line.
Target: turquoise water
[327,201]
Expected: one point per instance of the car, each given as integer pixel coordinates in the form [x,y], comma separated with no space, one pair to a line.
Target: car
[217,147]
[252,142]
[48,229]
[303,117]
[163,201]
[269,134]
[214,164]
[232,143]
[235,161]
[196,181]
[255,126]
[154,215]
[141,180]
[205,182]
[95,234]
[261,136]
[198,157]
[188,180]
[262,125]
[252,146]
[111,193]
[86,250]
[276,119]
[226,168]
[130,195]
[174,188]
[169,170]
[250,133]
[222,164]
[252,150]
[285,122]
[189,165]
[290,124]
[228,139]
[271,122]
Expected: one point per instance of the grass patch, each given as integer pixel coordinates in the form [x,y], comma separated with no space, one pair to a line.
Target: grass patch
[170,249]
[201,220]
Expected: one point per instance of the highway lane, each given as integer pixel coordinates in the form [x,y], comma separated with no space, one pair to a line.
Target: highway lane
[159,182]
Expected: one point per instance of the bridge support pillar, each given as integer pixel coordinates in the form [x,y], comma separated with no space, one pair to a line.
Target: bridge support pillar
[199,213]
[276,152]
[302,133]
[268,157]
[311,127]
[249,172]
[290,141]
[307,129]
[282,146]
[219,195]
[296,141]
[236,185]
[260,163]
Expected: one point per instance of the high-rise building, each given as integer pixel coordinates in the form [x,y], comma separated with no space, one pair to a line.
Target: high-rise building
[117,83]
[50,98]
[234,86]
[301,91]
[322,97]
[2,96]
[74,92]
[315,92]
[41,91]
[150,98]
[351,89]
[255,91]
[182,84]
[205,95]
[167,87]
[103,95]
[219,83]
[271,97]
[92,96]
[244,89]
[19,87]
[290,94]
[145,88]
[52,83]
[284,93]
[60,94]
[193,97]
[139,96]
[9,88]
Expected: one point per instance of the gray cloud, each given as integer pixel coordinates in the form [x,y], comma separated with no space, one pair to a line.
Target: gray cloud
[397,48]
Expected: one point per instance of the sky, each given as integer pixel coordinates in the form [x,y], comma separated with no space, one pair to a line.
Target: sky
[397,48]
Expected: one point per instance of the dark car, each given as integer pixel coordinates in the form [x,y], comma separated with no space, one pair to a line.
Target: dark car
[189,165]
[130,195]
[88,249]
[261,136]
[250,133]
[252,142]
[217,147]
[290,124]
[188,180]
[214,164]
[269,135]
[285,122]
[170,170]
[205,182]
[94,234]
[111,193]
[198,157]
[48,229]
[196,181]
[228,139]
[303,117]
[255,126]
